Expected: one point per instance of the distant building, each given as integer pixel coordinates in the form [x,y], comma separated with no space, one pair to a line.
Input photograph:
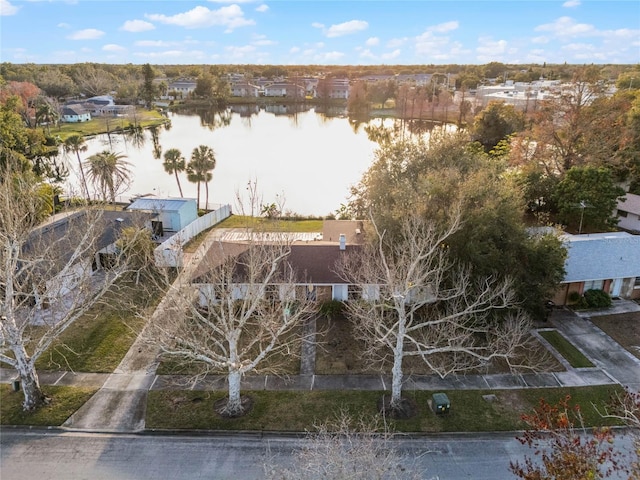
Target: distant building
[628,213]
[182,87]
[284,89]
[75,114]
[245,89]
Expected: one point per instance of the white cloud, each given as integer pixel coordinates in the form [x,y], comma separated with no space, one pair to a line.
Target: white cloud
[329,57]
[443,27]
[239,52]
[391,55]
[366,53]
[7,9]
[294,49]
[317,25]
[112,47]
[262,8]
[346,28]
[86,34]
[488,46]
[541,39]
[264,42]
[396,42]
[566,27]
[137,26]
[430,44]
[201,17]
[571,3]
[182,55]
[152,43]
[63,25]
[489,50]
[372,42]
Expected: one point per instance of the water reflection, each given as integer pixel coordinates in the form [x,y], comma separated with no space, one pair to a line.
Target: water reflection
[308,156]
[309,159]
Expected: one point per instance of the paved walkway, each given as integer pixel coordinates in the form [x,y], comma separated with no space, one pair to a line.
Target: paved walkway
[120,403]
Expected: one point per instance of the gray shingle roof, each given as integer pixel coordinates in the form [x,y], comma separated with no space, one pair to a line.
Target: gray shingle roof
[602,256]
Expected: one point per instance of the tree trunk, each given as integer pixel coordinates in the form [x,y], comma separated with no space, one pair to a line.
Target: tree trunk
[198,189]
[234,402]
[396,371]
[206,195]
[29,383]
[84,180]
[175,172]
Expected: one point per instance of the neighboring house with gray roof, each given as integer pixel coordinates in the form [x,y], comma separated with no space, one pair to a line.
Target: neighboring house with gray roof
[75,114]
[601,261]
[628,213]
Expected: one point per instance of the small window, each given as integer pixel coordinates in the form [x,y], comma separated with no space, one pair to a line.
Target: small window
[622,213]
[593,285]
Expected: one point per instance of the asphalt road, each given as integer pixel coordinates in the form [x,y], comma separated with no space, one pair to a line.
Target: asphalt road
[44,455]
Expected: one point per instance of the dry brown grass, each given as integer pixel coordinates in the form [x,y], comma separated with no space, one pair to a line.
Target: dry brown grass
[339,353]
[624,328]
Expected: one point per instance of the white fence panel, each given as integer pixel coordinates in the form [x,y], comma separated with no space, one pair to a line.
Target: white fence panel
[169,253]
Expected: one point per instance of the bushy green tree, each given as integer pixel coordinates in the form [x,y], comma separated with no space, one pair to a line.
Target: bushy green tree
[429,177]
[587,198]
[495,123]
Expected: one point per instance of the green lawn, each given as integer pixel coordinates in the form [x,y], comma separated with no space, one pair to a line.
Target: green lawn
[99,340]
[64,402]
[300,411]
[100,125]
[575,358]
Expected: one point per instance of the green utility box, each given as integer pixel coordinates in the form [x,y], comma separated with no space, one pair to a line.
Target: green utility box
[440,403]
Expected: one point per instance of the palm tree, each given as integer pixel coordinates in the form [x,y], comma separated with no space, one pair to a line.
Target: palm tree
[108,171]
[75,143]
[203,161]
[174,163]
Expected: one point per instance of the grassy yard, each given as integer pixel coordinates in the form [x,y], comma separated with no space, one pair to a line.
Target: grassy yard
[624,328]
[99,340]
[300,411]
[64,402]
[100,125]
[300,226]
[575,358]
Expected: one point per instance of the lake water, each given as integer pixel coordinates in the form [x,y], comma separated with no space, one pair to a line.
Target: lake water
[308,159]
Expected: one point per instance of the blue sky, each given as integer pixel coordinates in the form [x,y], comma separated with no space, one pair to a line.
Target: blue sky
[319,32]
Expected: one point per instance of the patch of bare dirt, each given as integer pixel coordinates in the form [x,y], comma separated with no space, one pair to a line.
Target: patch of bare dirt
[624,328]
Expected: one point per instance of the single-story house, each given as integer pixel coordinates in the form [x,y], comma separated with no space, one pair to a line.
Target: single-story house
[284,90]
[314,264]
[170,214]
[75,114]
[601,261]
[628,213]
[61,239]
[244,89]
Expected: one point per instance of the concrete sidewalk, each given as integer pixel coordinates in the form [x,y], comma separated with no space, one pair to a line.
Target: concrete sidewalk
[120,403]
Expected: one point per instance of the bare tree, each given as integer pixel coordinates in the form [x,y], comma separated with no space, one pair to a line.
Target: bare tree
[239,307]
[418,303]
[344,448]
[47,279]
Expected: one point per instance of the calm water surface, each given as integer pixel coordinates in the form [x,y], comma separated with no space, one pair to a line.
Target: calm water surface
[308,159]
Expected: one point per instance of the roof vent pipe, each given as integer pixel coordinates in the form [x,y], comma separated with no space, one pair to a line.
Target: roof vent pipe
[343,241]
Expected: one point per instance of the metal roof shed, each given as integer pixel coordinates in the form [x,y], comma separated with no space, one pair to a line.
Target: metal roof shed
[174,213]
